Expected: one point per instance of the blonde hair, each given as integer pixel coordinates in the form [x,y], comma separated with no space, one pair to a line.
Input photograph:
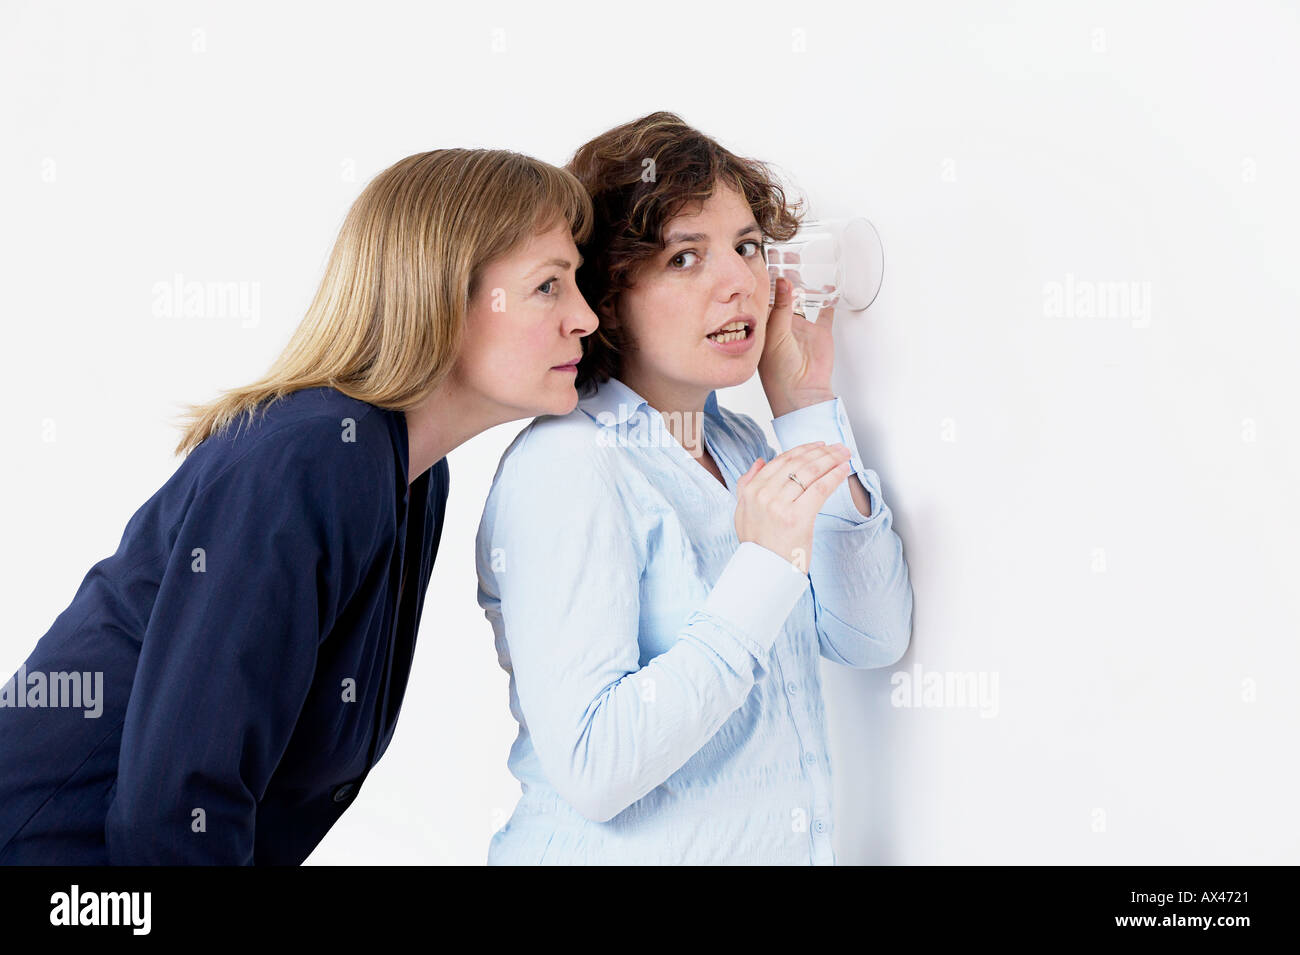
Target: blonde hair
[387,321]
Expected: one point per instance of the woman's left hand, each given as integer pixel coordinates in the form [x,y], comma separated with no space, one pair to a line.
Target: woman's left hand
[795,367]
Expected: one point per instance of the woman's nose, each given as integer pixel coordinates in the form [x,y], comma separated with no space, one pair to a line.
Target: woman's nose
[581,319]
[738,277]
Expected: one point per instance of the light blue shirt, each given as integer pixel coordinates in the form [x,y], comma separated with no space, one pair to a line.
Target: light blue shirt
[663,674]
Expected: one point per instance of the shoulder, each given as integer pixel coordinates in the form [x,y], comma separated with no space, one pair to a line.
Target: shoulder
[564,487]
[316,440]
[553,463]
[559,441]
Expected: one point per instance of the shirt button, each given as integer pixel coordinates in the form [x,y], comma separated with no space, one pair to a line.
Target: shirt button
[810,758]
[342,793]
[792,687]
[819,826]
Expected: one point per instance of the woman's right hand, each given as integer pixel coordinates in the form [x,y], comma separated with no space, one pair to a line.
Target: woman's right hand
[774,512]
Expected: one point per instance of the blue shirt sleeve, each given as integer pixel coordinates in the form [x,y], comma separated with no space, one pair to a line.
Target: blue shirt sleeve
[862,593]
[264,560]
[829,422]
[560,561]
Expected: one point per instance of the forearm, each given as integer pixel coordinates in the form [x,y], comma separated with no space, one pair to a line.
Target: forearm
[861,584]
[606,730]
[640,731]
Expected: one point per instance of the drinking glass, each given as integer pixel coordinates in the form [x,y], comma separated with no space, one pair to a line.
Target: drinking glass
[829,261]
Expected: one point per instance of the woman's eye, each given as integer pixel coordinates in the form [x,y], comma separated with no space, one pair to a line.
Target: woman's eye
[542,288]
[672,262]
[758,246]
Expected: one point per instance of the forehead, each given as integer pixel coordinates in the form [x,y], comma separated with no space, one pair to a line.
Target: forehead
[555,243]
[724,201]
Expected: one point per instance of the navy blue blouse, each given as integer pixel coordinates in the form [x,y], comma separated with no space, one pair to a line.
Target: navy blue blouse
[253,634]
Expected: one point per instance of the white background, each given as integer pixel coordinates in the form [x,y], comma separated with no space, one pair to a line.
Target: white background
[1098,510]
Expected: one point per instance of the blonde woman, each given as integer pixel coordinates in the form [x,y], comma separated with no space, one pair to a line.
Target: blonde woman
[660,581]
[255,629]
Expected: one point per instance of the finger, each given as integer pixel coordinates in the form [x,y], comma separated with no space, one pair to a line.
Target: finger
[830,457]
[819,490]
[808,470]
[799,454]
[787,460]
[778,319]
[754,468]
[795,461]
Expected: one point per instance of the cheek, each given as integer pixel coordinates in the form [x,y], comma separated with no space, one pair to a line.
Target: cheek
[495,353]
[670,317]
[527,351]
[763,288]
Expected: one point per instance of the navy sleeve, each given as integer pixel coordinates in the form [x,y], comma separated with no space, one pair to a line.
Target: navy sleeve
[265,559]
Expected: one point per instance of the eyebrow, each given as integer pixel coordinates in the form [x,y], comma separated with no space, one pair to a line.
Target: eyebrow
[676,237]
[558,263]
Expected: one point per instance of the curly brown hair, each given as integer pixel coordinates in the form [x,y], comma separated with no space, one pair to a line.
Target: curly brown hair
[639,176]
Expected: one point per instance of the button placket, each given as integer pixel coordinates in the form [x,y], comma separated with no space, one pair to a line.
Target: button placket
[814,768]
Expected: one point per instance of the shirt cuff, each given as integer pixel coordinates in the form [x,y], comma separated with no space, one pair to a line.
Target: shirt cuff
[827,421]
[755,594]
[840,504]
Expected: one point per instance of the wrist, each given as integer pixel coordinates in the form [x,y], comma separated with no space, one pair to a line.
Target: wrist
[783,404]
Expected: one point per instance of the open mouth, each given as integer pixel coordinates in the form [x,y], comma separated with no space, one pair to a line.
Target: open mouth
[733,332]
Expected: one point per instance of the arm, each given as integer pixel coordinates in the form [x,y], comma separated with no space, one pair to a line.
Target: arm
[229,652]
[862,594]
[560,559]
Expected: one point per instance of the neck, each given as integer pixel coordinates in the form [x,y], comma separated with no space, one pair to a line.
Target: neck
[446,419]
[681,406]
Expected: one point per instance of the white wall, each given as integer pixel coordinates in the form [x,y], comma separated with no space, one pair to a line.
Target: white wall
[1098,508]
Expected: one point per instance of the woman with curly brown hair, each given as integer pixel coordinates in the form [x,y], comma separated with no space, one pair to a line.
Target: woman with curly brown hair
[660,581]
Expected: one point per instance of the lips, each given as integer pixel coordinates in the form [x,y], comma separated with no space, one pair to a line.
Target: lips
[569,364]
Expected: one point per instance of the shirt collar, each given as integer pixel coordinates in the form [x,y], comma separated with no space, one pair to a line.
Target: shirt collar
[614,402]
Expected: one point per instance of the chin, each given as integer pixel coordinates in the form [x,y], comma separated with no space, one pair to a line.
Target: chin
[544,401]
[737,374]
[563,405]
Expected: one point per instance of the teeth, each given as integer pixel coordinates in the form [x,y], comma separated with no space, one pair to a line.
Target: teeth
[733,332]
